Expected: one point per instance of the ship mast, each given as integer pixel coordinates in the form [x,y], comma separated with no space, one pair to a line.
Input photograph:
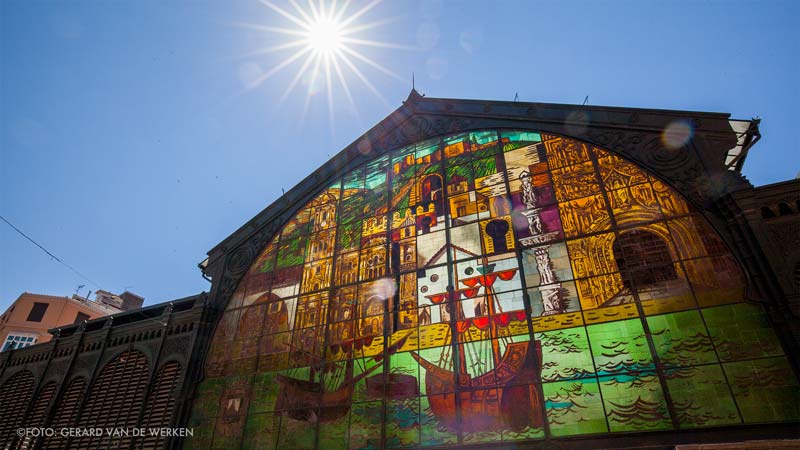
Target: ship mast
[491,311]
[454,304]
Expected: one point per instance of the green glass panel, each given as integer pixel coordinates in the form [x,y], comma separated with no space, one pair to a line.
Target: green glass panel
[365,425]
[523,434]
[402,188]
[360,366]
[766,390]
[459,179]
[619,347]
[354,179]
[402,423]
[376,184]
[403,365]
[478,359]
[484,168]
[515,139]
[261,431]
[291,253]
[265,391]
[565,354]
[701,397]
[476,437]
[333,434]
[574,407]
[741,331]
[352,207]
[443,357]
[348,236]
[680,339]
[203,436]
[205,407]
[634,401]
[296,434]
[224,441]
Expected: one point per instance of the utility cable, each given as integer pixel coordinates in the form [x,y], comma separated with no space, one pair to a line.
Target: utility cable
[50,254]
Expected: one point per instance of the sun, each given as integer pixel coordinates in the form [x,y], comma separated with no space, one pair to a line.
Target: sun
[324,40]
[324,36]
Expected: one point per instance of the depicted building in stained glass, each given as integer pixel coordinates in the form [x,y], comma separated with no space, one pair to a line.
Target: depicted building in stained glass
[473,273]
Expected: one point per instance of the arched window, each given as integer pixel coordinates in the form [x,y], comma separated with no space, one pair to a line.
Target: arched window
[66,412]
[37,415]
[767,213]
[643,258]
[497,229]
[784,209]
[15,394]
[160,404]
[115,400]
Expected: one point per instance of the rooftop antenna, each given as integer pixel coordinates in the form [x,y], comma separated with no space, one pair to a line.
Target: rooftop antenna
[586,100]
[78,289]
[516,96]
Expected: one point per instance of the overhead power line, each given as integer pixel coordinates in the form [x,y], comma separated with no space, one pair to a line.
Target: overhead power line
[74,270]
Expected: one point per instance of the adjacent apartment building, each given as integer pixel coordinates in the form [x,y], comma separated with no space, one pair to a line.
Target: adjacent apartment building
[27,320]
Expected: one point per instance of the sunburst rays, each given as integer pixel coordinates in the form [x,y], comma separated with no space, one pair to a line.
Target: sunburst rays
[323,42]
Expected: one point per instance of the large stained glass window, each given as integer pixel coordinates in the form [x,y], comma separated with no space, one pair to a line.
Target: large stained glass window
[489,286]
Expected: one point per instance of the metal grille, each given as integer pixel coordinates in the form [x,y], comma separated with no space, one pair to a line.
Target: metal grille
[15,394]
[66,412]
[160,404]
[37,415]
[114,401]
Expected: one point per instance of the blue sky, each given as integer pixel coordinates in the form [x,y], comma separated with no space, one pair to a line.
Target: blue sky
[133,140]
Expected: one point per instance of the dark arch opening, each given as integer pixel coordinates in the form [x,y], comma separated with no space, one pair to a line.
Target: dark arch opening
[426,224]
[36,417]
[643,258]
[766,212]
[124,377]
[15,394]
[784,209]
[497,229]
[431,188]
[160,404]
[66,412]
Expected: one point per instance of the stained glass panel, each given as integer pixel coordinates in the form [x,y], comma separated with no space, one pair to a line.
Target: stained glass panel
[489,286]
[766,390]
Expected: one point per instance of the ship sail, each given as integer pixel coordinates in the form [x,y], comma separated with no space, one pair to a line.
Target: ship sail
[311,401]
[503,397]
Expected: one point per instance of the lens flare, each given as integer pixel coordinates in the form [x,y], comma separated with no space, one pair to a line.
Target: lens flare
[577,123]
[384,288]
[677,134]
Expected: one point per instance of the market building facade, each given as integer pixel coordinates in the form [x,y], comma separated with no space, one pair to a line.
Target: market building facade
[467,273]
